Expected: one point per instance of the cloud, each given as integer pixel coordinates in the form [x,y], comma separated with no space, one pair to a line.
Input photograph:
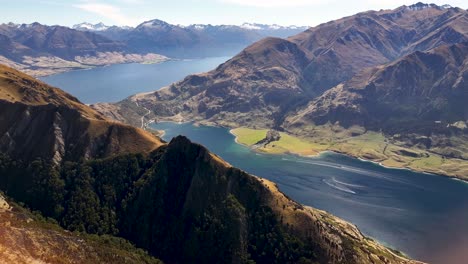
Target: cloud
[275,3]
[132,1]
[108,11]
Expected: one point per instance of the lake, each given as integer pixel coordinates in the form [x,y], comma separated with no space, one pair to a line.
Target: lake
[423,215]
[116,82]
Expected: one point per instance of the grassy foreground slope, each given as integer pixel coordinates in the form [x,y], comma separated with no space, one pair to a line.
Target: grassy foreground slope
[27,237]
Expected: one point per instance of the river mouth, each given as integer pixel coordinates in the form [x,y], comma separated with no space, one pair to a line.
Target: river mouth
[423,215]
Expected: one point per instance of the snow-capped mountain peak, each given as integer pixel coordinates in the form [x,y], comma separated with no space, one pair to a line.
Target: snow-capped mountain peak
[155,23]
[90,27]
[420,6]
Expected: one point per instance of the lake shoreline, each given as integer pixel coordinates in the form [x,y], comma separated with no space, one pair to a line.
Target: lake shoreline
[48,72]
[379,163]
[319,153]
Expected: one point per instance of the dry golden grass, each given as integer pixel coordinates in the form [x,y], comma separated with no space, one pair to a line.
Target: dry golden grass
[17,87]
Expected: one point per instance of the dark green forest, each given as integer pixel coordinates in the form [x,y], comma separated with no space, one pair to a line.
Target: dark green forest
[173,202]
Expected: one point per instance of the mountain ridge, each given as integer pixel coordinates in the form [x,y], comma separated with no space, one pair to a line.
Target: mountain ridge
[42,121]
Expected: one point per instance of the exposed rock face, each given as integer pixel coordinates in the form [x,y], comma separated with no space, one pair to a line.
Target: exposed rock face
[4,206]
[40,121]
[271,136]
[272,77]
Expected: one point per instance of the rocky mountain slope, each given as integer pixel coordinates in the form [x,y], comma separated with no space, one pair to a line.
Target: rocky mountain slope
[42,50]
[179,202]
[424,92]
[272,77]
[37,120]
[418,102]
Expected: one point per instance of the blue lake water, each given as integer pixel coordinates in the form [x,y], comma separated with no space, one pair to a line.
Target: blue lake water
[425,216]
[116,82]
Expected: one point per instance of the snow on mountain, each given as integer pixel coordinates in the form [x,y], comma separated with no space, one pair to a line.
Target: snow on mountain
[256,26]
[85,26]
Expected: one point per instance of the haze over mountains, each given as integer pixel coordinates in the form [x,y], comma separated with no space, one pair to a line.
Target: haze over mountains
[195,40]
[42,50]
[274,79]
[178,201]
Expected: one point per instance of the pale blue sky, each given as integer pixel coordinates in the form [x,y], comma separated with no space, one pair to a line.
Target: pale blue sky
[133,12]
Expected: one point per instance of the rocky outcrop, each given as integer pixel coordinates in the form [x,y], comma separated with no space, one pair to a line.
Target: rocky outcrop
[271,136]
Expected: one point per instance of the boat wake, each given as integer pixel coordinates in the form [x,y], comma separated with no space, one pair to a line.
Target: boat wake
[341,186]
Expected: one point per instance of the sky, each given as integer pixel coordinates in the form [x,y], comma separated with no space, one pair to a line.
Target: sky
[185,12]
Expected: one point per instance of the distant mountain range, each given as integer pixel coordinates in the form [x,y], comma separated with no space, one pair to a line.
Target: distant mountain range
[284,84]
[42,50]
[195,40]
[262,29]
[177,201]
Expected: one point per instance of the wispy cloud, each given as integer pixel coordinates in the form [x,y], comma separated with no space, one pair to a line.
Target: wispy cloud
[132,1]
[275,3]
[111,12]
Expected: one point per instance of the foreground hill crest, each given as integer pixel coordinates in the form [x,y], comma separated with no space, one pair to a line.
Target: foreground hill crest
[39,121]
